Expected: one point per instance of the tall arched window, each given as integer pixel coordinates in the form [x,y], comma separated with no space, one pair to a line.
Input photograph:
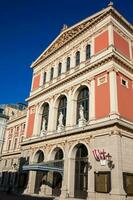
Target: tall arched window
[88,51]
[77,58]
[59,68]
[68,64]
[62,108]
[51,73]
[45,114]
[83,99]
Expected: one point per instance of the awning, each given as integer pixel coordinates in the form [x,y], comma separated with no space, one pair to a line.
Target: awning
[54,166]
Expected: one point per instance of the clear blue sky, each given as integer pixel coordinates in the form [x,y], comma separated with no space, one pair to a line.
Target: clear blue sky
[26,29]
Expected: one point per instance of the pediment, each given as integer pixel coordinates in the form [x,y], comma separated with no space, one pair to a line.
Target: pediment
[69,33]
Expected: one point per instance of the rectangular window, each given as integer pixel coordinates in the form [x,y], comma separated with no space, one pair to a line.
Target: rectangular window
[9,145]
[44,78]
[103,182]
[124,82]
[128,183]
[15,143]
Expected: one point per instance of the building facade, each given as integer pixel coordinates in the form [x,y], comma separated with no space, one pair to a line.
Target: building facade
[78,141]
[12,177]
[3,121]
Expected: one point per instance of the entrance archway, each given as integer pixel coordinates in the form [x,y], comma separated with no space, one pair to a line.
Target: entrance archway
[38,158]
[81,171]
[57,177]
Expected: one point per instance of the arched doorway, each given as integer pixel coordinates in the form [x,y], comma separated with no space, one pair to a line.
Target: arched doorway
[81,172]
[57,177]
[39,158]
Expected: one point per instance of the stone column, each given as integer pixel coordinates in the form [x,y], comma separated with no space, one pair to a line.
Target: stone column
[41,78]
[64,189]
[51,118]
[113,94]
[35,122]
[69,113]
[48,187]
[55,70]
[82,53]
[31,183]
[92,101]
[73,59]
[48,75]
[64,65]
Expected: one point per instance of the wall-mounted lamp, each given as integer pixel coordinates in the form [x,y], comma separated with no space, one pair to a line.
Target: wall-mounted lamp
[109,161]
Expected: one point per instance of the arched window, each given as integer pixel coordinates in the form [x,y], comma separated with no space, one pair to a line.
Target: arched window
[62,108]
[44,77]
[68,64]
[15,143]
[59,69]
[77,58]
[88,51]
[45,115]
[81,172]
[39,156]
[52,74]
[59,154]
[83,99]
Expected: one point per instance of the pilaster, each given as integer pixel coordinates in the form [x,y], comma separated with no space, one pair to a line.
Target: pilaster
[113,93]
[117,191]
[92,100]
[110,32]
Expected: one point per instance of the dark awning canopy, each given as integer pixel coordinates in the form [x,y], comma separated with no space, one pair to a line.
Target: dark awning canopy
[54,166]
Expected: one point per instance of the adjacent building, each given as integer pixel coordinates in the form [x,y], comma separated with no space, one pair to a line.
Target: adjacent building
[78,140]
[10,164]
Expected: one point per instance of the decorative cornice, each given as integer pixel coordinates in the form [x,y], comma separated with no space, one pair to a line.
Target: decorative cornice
[111,57]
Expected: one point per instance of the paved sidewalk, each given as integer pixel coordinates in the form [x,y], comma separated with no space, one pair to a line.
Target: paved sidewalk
[5,196]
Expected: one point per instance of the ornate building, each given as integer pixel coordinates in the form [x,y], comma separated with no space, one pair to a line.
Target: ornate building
[79,126]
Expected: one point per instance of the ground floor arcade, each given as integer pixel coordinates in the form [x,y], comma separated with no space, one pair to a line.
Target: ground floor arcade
[92,165]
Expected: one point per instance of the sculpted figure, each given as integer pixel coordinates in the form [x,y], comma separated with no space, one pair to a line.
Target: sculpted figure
[81,112]
[60,120]
[44,125]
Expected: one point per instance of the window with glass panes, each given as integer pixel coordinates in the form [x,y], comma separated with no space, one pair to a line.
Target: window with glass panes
[103,182]
[83,99]
[9,145]
[59,69]
[44,77]
[52,73]
[62,108]
[45,115]
[77,58]
[68,64]
[128,183]
[88,51]
[81,172]
[15,143]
